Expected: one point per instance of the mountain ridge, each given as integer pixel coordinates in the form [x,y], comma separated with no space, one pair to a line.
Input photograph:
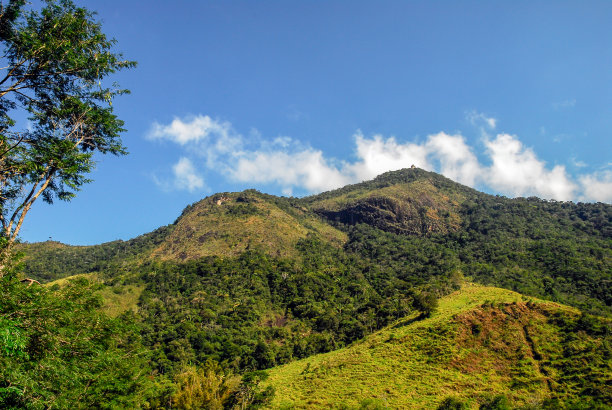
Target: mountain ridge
[557,250]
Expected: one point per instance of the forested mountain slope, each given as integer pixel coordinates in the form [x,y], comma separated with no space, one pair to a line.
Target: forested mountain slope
[556,250]
[412,202]
[243,282]
[51,260]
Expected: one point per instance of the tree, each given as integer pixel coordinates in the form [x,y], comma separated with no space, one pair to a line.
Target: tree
[59,350]
[209,387]
[54,62]
[426,303]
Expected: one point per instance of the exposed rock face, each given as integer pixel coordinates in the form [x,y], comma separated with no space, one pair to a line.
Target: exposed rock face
[392,215]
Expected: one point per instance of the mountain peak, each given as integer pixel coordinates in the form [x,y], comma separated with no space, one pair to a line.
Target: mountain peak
[228,223]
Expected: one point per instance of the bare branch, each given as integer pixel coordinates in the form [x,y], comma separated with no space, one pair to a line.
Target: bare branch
[31,281]
[9,149]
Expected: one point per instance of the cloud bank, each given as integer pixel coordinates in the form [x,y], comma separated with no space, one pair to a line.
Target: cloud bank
[506,165]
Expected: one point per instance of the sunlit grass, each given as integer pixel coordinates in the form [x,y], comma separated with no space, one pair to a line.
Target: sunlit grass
[117,299]
[224,225]
[413,363]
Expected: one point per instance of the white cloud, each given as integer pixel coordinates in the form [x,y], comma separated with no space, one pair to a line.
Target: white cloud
[597,187]
[193,130]
[569,103]
[479,119]
[559,138]
[378,155]
[186,176]
[578,164]
[306,169]
[201,135]
[510,168]
[517,170]
[457,161]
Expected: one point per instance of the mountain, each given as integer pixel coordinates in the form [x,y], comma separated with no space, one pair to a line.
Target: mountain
[556,250]
[52,260]
[247,281]
[228,224]
[224,225]
[411,201]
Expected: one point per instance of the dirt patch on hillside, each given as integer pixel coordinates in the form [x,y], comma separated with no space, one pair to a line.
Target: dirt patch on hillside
[505,339]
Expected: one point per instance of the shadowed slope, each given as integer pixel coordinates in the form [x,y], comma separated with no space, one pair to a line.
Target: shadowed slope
[410,201]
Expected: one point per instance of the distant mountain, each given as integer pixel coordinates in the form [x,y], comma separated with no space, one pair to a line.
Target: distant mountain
[52,260]
[228,224]
[410,202]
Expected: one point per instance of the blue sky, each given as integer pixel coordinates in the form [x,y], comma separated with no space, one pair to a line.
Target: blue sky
[298,97]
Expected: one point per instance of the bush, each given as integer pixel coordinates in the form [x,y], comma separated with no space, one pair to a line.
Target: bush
[426,303]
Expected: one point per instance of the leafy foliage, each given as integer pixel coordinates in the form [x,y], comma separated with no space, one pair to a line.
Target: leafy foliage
[58,350]
[54,62]
[254,311]
[556,250]
[525,353]
[208,387]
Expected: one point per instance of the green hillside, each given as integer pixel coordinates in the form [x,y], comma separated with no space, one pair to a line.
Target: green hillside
[51,260]
[228,224]
[559,251]
[224,225]
[482,343]
[244,282]
[404,223]
[116,300]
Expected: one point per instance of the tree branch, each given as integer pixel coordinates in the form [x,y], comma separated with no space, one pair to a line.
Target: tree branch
[31,281]
[27,205]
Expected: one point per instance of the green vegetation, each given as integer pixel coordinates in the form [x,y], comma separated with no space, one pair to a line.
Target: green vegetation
[57,349]
[255,311]
[351,282]
[55,64]
[115,299]
[560,251]
[230,223]
[555,250]
[413,202]
[49,261]
[469,354]
[360,283]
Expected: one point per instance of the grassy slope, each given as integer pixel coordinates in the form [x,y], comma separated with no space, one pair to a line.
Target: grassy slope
[228,224]
[465,350]
[117,299]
